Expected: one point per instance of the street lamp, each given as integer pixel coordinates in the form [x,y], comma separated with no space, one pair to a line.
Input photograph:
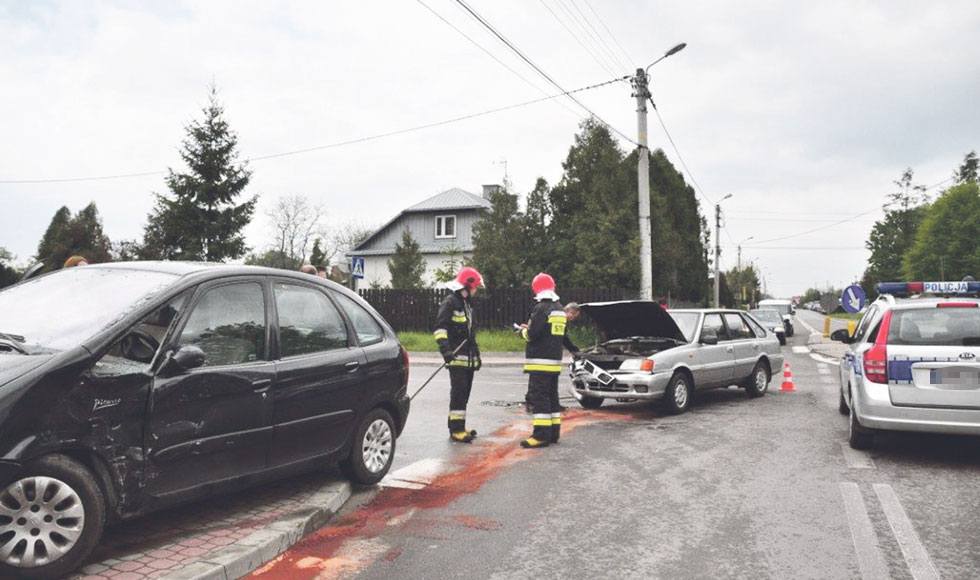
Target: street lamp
[642,93]
[740,251]
[718,248]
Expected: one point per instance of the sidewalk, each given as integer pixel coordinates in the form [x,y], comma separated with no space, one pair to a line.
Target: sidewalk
[218,539]
[488,359]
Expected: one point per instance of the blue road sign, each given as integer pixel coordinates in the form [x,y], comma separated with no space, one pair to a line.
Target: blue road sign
[853,299]
[357,267]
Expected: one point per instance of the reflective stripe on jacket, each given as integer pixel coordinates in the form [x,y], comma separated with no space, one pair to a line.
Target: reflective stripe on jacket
[544,334]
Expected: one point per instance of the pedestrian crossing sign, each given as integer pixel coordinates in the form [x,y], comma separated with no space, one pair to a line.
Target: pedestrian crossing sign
[356,267]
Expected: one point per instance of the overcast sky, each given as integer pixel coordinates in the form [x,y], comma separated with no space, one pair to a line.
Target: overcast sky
[805,112]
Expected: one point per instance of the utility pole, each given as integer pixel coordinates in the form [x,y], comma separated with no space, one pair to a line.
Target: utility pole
[642,93]
[718,249]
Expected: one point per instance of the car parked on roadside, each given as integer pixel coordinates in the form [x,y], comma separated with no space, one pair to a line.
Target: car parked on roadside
[772,320]
[645,353]
[126,388]
[913,364]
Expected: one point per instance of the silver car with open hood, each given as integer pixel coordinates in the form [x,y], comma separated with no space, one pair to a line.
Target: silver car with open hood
[645,353]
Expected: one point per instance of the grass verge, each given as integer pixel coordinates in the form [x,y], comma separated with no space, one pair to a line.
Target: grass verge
[489,340]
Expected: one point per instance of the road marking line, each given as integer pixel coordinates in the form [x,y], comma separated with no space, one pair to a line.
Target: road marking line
[823,359]
[920,565]
[810,328]
[855,459]
[416,475]
[871,562]
[800,349]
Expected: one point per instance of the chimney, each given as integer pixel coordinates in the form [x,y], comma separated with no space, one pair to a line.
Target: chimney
[489,190]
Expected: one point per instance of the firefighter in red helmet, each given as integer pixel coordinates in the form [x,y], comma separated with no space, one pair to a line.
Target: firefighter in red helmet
[545,334]
[454,326]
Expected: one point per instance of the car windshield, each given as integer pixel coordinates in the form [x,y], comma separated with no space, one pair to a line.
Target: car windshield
[935,327]
[767,315]
[61,310]
[687,322]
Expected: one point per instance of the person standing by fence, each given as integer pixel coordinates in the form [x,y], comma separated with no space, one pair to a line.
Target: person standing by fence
[545,334]
[454,327]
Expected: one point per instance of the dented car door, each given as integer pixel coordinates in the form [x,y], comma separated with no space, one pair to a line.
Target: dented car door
[213,422]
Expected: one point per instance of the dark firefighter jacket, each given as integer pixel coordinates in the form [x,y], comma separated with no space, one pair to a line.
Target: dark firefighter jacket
[545,333]
[454,324]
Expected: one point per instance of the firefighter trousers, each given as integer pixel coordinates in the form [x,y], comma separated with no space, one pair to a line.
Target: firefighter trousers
[460,385]
[542,393]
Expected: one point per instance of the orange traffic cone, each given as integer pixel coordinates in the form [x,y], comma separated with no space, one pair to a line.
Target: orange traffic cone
[787,379]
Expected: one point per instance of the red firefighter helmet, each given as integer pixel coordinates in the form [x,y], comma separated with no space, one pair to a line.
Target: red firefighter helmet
[469,278]
[542,282]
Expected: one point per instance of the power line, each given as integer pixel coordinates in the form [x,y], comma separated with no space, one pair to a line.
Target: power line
[611,35]
[538,69]
[837,223]
[577,39]
[494,57]
[343,143]
[677,151]
[595,34]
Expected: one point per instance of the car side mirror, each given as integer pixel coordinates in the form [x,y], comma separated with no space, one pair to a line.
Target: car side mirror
[841,336]
[709,337]
[187,357]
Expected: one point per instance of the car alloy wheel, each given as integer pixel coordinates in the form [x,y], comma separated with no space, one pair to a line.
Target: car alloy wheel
[377,445]
[51,518]
[373,448]
[41,520]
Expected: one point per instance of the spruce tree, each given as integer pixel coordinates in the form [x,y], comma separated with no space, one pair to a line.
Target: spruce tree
[407,265]
[201,218]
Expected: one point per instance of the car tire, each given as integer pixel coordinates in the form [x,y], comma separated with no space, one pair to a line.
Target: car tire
[858,437]
[842,407]
[677,395]
[757,383]
[73,525]
[373,448]
[590,402]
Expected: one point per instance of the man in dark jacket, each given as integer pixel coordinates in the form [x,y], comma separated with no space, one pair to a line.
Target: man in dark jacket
[456,336]
[544,333]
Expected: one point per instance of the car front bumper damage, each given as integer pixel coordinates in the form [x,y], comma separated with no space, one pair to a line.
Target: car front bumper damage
[588,380]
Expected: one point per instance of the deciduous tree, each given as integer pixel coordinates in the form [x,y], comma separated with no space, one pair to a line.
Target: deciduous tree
[68,235]
[947,245]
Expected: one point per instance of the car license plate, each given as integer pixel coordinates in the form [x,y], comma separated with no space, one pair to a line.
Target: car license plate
[955,376]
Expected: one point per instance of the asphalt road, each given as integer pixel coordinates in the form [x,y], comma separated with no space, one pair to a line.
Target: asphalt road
[735,488]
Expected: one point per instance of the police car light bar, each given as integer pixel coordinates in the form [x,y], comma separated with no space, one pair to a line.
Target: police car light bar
[928,287]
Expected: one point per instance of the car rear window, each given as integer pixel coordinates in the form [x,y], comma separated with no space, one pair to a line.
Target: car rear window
[935,326]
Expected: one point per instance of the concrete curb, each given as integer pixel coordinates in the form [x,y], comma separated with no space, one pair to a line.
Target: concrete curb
[251,552]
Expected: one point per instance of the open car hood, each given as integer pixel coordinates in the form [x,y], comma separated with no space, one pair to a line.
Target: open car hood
[628,318]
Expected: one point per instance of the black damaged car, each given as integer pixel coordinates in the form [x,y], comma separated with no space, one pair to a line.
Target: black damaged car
[126,388]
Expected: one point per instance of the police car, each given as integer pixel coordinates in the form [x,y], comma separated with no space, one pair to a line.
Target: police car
[913,364]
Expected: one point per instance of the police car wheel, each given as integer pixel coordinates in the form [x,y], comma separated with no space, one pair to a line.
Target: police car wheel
[590,402]
[842,407]
[858,437]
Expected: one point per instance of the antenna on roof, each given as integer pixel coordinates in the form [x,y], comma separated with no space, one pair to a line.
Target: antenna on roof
[503,161]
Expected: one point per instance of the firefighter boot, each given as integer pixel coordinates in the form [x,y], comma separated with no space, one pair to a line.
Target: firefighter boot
[541,436]
[555,427]
[457,428]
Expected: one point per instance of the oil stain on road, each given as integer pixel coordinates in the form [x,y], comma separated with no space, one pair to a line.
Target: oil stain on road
[354,542]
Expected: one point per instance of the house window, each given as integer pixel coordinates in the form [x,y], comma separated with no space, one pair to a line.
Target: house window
[445,226]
